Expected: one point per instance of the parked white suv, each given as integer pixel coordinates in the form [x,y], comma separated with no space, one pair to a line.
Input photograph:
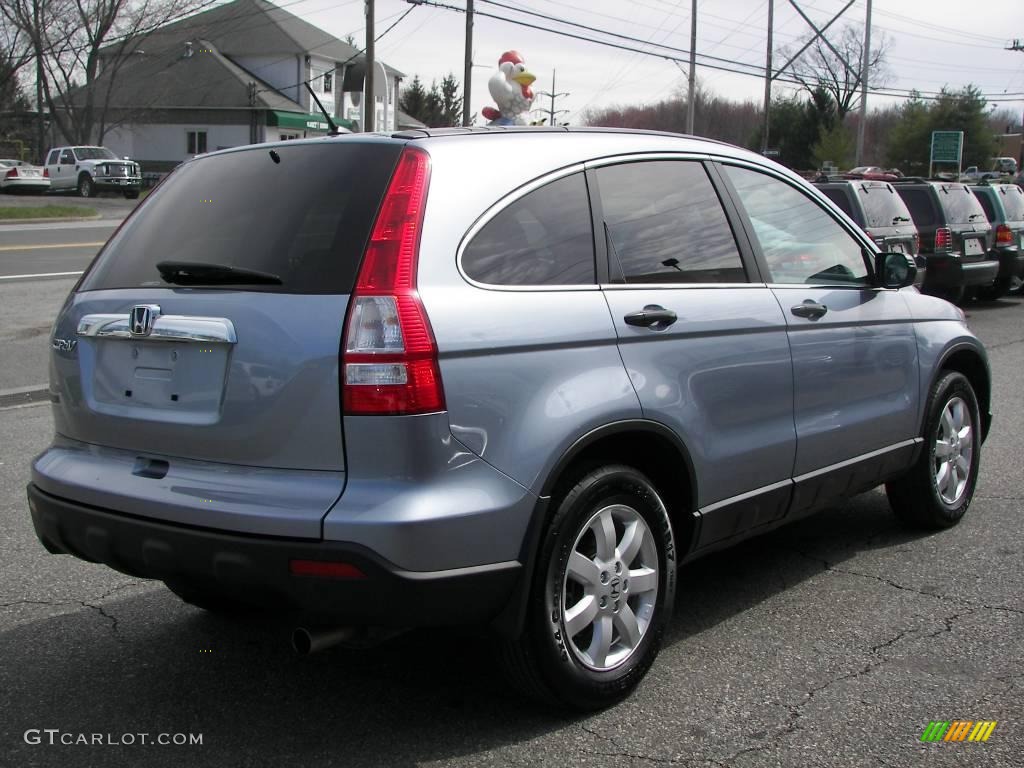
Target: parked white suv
[89,170]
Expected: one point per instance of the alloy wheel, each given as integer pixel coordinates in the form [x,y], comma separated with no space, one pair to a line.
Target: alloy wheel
[610,587]
[954,450]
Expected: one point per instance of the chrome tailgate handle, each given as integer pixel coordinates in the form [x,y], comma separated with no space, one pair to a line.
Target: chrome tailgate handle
[203,330]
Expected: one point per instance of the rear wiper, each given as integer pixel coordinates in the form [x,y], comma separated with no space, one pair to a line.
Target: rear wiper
[974,216]
[896,219]
[197,273]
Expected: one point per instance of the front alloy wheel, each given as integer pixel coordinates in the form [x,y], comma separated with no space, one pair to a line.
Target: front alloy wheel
[954,449]
[937,490]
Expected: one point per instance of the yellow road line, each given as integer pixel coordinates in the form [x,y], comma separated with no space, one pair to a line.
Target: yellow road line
[53,245]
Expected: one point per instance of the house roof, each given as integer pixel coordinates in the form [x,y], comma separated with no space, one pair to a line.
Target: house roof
[205,80]
[251,28]
[404,121]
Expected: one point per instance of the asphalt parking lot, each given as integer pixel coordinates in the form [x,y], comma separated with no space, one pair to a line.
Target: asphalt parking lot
[831,642]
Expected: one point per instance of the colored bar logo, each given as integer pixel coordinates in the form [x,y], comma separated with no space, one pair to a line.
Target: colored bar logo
[958,730]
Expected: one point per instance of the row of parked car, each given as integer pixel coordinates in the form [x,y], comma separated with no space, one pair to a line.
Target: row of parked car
[83,170]
[968,240]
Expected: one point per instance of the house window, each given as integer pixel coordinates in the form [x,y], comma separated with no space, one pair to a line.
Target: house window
[196,142]
[328,82]
[289,136]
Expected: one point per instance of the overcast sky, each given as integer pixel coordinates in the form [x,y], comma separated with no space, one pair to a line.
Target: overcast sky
[933,43]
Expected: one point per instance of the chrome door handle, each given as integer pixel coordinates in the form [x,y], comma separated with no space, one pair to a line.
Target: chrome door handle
[812,310]
[651,316]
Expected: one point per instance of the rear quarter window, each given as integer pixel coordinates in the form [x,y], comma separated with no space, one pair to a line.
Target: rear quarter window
[546,237]
[986,204]
[304,218]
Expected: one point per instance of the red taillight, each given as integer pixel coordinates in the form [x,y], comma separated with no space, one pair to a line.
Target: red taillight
[46,173]
[943,239]
[389,358]
[324,569]
[1004,235]
[11,174]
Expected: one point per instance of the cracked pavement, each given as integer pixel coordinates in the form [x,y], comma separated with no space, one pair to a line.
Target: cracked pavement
[831,642]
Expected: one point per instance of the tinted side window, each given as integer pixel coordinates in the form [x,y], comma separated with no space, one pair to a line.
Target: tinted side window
[921,208]
[666,225]
[543,238]
[67,158]
[986,204]
[52,159]
[840,198]
[801,242]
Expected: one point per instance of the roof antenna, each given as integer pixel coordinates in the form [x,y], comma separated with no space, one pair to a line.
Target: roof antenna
[330,123]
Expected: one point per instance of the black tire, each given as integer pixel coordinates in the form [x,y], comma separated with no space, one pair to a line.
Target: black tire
[915,498]
[210,599]
[954,295]
[997,290]
[86,186]
[131,195]
[544,663]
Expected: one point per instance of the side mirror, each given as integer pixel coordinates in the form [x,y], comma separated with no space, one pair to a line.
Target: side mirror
[895,270]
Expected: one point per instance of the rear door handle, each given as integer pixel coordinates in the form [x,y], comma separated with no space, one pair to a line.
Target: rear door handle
[652,316]
[812,310]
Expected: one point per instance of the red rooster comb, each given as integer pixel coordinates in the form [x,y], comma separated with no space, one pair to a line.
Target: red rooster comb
[512,56]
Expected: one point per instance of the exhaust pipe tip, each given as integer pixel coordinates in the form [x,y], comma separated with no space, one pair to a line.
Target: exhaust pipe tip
[310,640]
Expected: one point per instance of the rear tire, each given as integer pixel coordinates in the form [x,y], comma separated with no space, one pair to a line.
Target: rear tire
[131,195]
[997,290]
[602,593]
[938,489]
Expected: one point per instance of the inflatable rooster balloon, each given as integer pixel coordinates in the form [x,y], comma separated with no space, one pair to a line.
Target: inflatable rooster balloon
[510,89]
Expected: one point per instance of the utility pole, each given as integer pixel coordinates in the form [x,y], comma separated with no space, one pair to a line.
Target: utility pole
[864,87]
[691,99]
[369,102]
[467,73]
[40,130]
[768,77]
[552,112]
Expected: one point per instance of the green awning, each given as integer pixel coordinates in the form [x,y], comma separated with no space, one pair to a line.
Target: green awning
[303,122]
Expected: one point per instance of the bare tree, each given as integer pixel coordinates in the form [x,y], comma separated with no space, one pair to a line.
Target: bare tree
[836,65]
[83,45]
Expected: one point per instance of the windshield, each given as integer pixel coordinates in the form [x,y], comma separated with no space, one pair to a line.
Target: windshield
[94,153]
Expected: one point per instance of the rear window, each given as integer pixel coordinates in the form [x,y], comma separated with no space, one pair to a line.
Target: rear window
[304,218]
[882,206]
[1013,202]
[960,204]
[920,205]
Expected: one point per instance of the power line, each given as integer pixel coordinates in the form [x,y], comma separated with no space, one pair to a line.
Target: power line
[758,71]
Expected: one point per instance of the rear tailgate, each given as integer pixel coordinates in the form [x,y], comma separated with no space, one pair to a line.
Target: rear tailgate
[205,384]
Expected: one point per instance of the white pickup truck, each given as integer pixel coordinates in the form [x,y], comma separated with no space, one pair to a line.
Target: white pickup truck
[89,170]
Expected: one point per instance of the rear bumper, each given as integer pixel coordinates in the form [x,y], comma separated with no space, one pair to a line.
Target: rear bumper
[948,271]
[256,569]
[1011,262]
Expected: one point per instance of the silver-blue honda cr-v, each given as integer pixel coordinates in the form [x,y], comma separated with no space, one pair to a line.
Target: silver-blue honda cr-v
[508,378]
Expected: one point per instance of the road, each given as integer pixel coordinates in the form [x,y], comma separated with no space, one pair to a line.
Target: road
[832,642]
[28,304]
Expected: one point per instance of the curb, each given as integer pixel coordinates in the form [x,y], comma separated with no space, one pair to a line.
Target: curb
[51,220]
